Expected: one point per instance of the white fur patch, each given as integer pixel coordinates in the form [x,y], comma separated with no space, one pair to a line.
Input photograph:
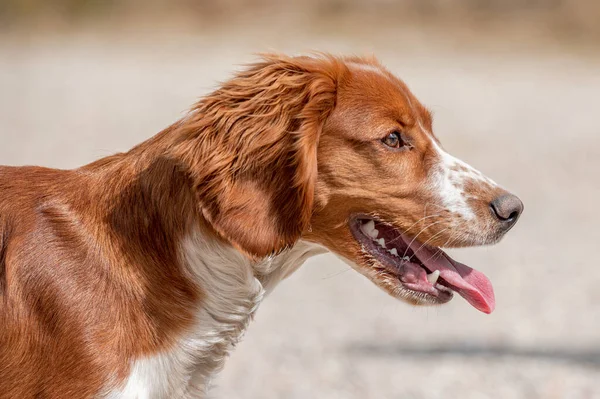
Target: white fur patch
[233,288]
[450,178]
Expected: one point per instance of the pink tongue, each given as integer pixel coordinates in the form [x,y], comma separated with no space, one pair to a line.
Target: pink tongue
[472,285]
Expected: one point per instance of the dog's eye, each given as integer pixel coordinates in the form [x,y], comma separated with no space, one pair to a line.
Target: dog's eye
[394,140]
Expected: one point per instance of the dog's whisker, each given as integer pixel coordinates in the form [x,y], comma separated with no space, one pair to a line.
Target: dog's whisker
[422,230]
[413,225]
[429,240]
[336,273]
[439,251]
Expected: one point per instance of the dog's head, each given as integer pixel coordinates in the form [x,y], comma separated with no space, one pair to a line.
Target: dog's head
[339,152]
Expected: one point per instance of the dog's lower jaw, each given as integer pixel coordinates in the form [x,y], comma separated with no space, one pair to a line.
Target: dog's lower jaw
[232,289]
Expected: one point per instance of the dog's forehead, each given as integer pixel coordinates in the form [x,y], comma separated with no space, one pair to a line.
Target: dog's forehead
[374,84]
[377,97]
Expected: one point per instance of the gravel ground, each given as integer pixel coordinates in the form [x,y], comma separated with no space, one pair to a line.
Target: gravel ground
[527,117]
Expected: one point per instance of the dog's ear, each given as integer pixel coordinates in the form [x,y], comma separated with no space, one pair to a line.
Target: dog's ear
[254,157]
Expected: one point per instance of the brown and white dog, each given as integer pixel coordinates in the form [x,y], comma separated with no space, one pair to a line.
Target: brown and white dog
[133,276]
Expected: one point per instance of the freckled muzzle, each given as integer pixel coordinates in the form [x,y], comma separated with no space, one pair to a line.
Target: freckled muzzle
[481,210]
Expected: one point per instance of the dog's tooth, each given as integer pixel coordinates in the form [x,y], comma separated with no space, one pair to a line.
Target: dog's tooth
[433,277]
[406,258]
[381,242]
[365,227]
[369,229]
[393,251]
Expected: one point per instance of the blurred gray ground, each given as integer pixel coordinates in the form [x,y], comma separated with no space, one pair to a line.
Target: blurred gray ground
[526,116]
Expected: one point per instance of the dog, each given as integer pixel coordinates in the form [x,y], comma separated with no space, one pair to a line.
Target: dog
[135,275]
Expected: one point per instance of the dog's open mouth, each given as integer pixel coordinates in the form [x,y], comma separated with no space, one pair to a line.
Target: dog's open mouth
[425,270]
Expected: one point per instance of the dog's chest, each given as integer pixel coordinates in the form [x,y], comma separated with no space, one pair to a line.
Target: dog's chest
[184,371]
[231,295]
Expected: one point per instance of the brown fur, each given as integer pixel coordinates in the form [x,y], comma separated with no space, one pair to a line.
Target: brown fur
[89,273]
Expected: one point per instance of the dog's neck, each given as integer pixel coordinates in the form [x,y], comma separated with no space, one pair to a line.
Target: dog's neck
[233,287]
[155,176]
[153,211]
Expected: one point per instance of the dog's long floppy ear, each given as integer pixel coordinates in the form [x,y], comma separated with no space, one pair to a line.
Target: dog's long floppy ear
[255,150]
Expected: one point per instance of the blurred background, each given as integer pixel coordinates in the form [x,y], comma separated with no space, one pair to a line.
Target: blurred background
[515,89]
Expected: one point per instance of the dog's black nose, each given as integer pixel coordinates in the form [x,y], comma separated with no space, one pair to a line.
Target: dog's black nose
[507,208]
